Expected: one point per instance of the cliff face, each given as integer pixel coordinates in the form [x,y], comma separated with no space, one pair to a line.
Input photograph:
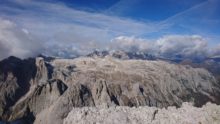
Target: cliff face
[47,91]
[137,82]
[16,77]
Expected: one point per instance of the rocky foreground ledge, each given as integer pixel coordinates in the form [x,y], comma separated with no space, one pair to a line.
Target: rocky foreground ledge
[187,114]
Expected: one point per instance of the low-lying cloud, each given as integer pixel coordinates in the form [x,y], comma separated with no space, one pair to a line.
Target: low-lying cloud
[16,42]
[184,46]
[131,44]
[171,46]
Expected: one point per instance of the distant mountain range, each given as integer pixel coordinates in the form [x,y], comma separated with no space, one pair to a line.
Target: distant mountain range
[210,63]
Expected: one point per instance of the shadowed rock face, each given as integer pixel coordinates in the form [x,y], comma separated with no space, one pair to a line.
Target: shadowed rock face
[51,89]
[15,81]
[26,88]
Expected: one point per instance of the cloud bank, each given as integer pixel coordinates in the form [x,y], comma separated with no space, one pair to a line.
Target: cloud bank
[18,41]
[185,46]
[171,46]
[15,41]
[29,27]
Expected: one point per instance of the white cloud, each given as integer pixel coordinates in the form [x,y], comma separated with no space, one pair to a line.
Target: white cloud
[13,41]
[131,44]
[183,45]
[56,17]
[171,46]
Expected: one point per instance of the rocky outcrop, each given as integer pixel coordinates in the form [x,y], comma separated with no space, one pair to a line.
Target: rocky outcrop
[15,80]
[39,98]
[26,88]
[52,88]
[136,82]
[187,114]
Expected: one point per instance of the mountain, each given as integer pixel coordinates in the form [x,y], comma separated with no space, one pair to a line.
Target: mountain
[37,91]
[210,64]
[122,55]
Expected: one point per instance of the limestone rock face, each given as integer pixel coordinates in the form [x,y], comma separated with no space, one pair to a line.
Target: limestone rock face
[187,114]
[15,80]
[137,82]
[46,91]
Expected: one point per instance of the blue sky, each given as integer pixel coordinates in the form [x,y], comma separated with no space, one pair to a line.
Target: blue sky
[86,24]
[149,10]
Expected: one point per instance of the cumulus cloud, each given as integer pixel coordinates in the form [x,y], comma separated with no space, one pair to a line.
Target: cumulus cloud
[185,46]
[132,44]
[171,46]
[15,41]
